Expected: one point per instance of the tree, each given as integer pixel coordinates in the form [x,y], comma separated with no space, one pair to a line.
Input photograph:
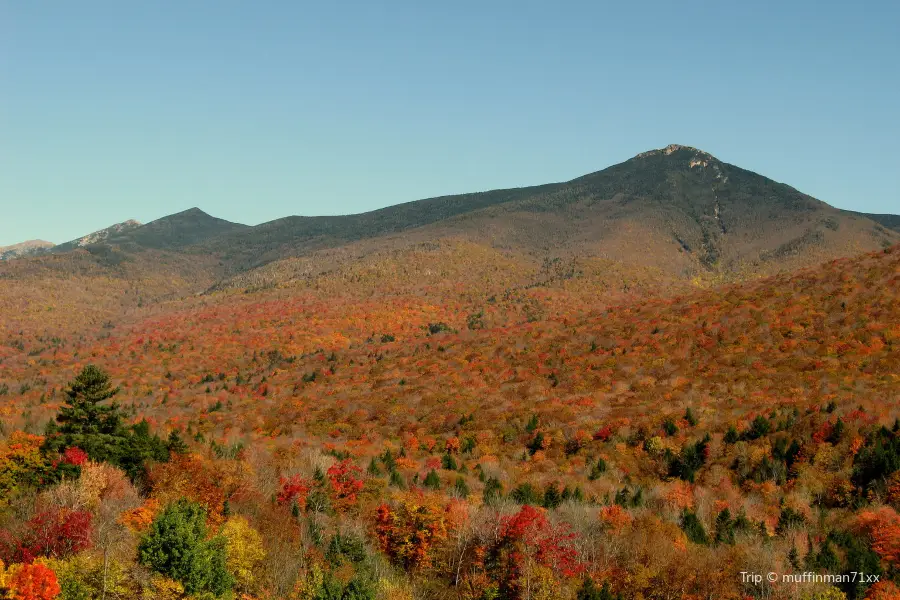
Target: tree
[50,533]
[83,414]
[33,582]
[345,482]
[175,444]
[98,430]
[409,530]
[432,481]
[877,460]
[693,528]
[883,590]
[244,551]
[526,541]
[883,528]
[177,547]
[493,490]
[590,591]
[21,464]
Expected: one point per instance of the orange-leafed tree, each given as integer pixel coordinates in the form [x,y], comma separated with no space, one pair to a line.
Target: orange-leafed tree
[883,527]
[33,582]
[409,530]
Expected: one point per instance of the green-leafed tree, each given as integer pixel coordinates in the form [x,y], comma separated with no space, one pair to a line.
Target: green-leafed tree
[177,546]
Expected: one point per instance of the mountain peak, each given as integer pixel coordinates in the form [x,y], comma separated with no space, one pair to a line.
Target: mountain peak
[24,249]
[191,212]
[673,148]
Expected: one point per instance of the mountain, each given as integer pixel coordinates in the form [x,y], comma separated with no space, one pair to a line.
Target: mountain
[23,249]
[677,208]
[172,232]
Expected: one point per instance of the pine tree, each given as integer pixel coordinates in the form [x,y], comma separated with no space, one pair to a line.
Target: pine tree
[175,444]
[552,497]
[493,490]
[693,528]
[96,428]
[432,480]
[460,487]
[724,528]
[83,414]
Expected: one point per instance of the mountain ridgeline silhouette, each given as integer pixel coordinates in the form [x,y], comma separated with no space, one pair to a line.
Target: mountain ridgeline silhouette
[676,208]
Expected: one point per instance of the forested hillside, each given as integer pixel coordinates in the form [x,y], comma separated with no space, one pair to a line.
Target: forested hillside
[424,426]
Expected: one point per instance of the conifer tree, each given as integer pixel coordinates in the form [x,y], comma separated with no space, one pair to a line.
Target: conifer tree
[83,412]
[178,546]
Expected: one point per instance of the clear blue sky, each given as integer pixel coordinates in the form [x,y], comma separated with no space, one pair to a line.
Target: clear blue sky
[256,110]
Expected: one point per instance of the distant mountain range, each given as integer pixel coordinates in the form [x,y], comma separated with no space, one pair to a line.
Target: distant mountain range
[678,209]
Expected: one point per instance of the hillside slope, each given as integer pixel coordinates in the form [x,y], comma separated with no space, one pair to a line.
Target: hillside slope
[668,441]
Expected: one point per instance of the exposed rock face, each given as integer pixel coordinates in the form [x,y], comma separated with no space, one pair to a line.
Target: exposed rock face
[103,234]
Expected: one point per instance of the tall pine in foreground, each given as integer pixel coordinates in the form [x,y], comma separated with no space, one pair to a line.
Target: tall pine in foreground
[83,413]
[90,422]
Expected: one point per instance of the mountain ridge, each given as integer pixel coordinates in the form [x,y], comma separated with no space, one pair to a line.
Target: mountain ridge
[25,248]
[677,208]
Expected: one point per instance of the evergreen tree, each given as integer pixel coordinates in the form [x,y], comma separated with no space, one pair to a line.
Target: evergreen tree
[731,436]
[448,462]
[552,497]
[175,444]
[493,490]
[461,489]
[725,528]
[97,428]
[598,469]
[590,591]
[83,413]
[177,546]
[693,528]
[432,480]
[690,418]
[397,480]
[526,494]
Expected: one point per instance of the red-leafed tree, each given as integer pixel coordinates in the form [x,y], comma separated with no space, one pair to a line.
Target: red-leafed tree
[294,489]
[75,456]
[52,533]
[345,481]
[603,434]
[528,537]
